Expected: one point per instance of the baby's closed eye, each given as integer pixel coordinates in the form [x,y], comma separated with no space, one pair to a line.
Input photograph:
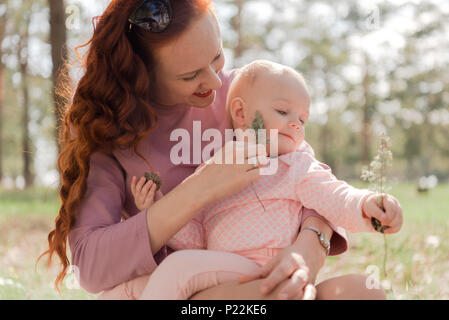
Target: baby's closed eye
[281,112]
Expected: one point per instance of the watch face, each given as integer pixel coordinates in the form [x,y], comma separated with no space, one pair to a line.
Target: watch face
[323,241]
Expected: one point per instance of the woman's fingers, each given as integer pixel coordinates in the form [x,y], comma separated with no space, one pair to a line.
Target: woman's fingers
[261,273]
[250,277]
[255,150]
[309,292]
[278,274]
[253,175]
[238,152]
[295,286]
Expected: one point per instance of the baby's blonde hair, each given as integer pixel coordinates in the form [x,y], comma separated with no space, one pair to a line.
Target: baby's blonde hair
[248,74]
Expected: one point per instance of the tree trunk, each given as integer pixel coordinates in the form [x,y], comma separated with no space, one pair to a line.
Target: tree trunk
[2,91]
[236,24]
[58,39]
[22,56]
[26,145]
[367,117]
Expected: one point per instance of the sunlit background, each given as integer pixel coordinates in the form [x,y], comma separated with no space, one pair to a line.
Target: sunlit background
[373,67]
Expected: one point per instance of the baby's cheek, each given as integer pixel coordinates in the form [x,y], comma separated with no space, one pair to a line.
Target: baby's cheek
[301,136]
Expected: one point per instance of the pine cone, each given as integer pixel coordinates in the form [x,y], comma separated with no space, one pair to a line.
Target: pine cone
[378,226]
[155,178]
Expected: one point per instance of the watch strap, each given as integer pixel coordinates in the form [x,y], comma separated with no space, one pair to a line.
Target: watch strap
[326,243]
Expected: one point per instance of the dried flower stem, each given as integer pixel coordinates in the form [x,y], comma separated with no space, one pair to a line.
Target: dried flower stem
[375,174]
[257,124]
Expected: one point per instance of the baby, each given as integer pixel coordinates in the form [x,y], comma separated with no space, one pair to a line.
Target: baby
[239,223]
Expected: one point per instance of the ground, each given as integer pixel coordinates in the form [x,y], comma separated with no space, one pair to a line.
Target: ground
[417,257]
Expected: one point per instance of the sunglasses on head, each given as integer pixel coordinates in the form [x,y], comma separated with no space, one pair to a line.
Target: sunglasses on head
[152,15]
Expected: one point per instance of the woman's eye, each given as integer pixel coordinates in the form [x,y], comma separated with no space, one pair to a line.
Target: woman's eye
[218,57]
[191,78]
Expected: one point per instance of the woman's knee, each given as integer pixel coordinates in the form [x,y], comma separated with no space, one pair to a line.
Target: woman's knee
[348,287]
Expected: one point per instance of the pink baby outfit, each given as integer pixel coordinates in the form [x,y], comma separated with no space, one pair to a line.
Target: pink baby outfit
[240,223]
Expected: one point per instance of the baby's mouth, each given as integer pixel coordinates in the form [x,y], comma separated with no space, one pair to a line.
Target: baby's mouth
[288,136]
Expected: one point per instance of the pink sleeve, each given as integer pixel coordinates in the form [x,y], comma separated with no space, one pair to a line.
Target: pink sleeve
[334,199]
[339,239]
[191,236]
[105,250]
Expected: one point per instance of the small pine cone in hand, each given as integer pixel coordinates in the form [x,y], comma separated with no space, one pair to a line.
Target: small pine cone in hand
[155,178]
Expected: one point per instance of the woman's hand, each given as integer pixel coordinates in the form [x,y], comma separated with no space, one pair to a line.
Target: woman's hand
[213,181]
[228,171]
[299,263]
[289,263]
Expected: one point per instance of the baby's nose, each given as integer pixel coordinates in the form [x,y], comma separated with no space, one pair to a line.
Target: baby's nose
[296,125]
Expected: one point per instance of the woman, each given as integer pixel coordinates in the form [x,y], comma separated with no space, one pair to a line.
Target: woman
[155,66]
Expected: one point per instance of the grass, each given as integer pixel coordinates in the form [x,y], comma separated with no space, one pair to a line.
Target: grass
[418,256]
[26,217]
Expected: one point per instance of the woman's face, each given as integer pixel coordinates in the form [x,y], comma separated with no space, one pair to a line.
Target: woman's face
[186,70]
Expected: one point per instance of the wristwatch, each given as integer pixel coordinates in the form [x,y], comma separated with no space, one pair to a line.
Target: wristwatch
[324,241]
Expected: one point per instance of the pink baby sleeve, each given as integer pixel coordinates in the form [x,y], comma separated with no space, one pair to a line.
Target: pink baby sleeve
[317,188]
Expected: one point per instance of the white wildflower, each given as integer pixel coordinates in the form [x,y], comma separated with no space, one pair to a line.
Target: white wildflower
[419,258]
[386,284]
[433,241]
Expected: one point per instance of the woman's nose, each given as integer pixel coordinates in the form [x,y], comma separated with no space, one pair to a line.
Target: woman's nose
[214,80]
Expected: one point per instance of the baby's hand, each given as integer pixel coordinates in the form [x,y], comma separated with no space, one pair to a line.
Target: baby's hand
[389,213]
[144,193]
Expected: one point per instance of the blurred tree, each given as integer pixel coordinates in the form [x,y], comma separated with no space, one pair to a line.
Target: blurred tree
[236,24]
[362,82]
[420,84]
[3,17]
[22,58]
[58,40]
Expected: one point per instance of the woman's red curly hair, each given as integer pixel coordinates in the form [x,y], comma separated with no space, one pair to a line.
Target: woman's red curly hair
[111,105]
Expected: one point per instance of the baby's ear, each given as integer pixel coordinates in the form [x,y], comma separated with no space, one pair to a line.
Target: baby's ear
[236,109]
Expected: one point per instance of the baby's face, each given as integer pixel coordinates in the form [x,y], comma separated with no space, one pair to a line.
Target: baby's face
[283,102]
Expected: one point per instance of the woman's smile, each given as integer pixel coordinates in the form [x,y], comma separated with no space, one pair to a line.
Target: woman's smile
[203,94]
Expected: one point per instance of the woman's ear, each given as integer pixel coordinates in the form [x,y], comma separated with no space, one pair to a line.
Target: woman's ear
[236,109]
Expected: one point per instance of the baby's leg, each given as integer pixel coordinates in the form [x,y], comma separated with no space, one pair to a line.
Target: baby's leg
[186,272]
[129,290]
[348,287]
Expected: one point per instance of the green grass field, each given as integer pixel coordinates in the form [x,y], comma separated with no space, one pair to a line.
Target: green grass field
[417,262]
